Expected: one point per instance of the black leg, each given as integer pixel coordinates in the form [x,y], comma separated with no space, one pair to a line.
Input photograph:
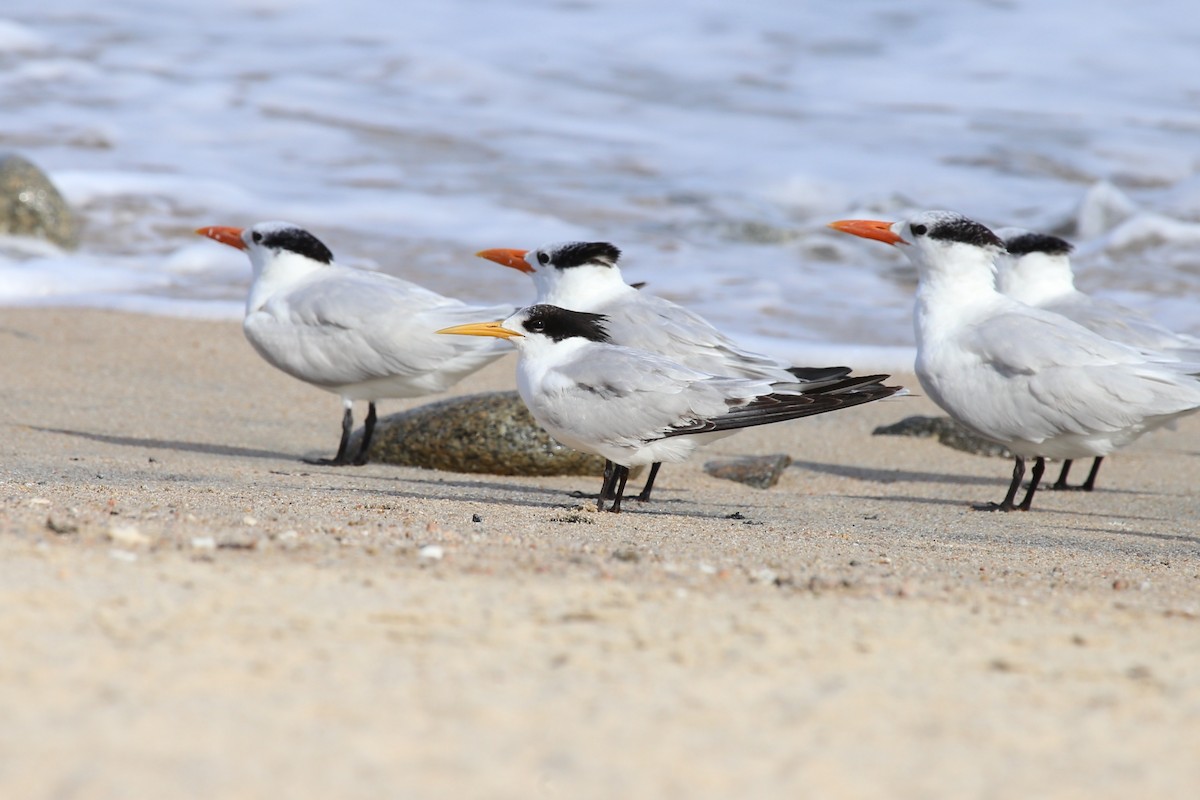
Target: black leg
[1035,477]
[645,495]
[1086,486]
[1090,483]
[1061,483]
[340,459]
[606,488]
[1007,505]
[368,432]
[621,474]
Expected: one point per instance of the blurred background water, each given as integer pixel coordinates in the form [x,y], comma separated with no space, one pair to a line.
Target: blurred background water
[711,141]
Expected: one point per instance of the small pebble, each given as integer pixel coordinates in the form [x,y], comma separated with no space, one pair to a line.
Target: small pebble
[127,535]
[204,543]
[431,552]
[60,527]
[760,472]
[764,575]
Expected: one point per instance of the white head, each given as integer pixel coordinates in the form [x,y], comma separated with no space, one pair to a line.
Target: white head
[945,247]
[280,254]
[268,242]
[572,274]
[1037,267]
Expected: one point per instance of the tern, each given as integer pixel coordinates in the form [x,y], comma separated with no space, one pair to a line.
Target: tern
[585,276]
[361,335]
[635,407]
[1036,270]
[1032,380]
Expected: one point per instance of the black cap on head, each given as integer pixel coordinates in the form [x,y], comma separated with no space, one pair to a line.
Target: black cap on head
[577,254]
[1026,243]
[295,240]
[560,323]
[957,228]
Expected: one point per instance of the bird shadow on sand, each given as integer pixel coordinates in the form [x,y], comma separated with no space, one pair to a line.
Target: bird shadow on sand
[479,491]
[908,498]
[877,475]
[169,444]
[481,488]
[520,495]
[1165,537]
[1044,516]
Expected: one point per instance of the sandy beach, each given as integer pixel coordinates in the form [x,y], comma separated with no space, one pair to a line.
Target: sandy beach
[191,611]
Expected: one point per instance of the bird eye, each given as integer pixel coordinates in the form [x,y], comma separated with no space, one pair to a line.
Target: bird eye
[535,325]
[919,230]
[256,236]
[543,258]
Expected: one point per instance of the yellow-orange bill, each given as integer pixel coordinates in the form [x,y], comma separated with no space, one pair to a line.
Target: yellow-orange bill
[507,257]
[224,235]
[868,229]
[482,329]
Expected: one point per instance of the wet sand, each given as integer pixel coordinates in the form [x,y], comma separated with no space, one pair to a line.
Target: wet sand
[191,611]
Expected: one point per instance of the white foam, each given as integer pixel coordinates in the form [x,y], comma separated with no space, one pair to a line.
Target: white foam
[712,142]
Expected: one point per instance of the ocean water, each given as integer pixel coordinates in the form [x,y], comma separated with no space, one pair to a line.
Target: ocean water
[712,141]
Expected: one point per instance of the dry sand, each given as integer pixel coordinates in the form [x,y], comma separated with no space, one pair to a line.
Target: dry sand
[190,611]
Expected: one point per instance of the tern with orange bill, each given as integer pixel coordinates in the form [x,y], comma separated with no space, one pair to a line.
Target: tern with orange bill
[358,334]
[1034,381]
[586,276]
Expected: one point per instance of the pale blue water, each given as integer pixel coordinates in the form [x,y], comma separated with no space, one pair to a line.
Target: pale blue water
[712,141]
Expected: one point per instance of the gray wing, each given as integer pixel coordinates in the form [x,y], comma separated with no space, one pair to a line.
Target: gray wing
[649,397]
[1027,341]
[643,395]
[648,322]
[1070,380]
[356,326]
[1121,324]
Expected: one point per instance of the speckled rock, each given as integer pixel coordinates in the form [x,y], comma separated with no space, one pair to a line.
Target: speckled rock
[761,472]
[30,205]
[492,433]
[946,431]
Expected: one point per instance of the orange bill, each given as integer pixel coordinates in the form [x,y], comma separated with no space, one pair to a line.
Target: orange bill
[868,229]
[224,235]
[507,257]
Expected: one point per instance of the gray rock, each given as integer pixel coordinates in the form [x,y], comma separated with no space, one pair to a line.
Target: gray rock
[947,432]
[491,433]
[30,205]
[761,472]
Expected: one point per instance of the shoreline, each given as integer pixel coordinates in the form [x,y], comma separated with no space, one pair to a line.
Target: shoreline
[192,611]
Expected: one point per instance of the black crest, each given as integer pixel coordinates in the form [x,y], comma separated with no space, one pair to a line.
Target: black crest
[967,231]
[559,323]
[296,240]
[1026,243]
[577,254]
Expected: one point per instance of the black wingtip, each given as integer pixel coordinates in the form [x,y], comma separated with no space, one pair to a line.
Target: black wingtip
[780,407]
